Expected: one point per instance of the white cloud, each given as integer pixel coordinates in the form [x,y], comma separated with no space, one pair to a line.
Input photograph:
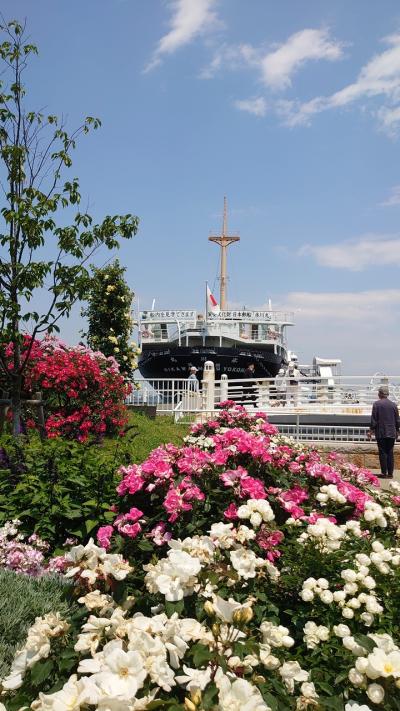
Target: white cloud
[190,18]
[379,77]
[393,199]
[256,106]
[232,58]
[357,255]
[345,306]
[278,67]
[361,328]
[390,120]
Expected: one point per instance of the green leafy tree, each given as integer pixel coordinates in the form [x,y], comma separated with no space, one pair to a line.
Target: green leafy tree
[35,150]
[109,316]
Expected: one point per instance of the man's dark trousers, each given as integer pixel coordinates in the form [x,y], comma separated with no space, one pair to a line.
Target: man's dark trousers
[385,449]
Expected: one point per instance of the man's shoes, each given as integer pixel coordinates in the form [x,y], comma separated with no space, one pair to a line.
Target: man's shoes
[389,476]
[382,476]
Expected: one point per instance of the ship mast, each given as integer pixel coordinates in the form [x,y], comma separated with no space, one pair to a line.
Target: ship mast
[224,240]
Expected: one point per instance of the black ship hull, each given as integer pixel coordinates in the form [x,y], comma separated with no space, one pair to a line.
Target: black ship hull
[158,361]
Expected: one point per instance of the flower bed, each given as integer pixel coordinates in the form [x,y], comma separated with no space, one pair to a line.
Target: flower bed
[241,572]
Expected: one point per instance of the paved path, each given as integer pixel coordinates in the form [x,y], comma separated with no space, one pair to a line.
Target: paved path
[385,482]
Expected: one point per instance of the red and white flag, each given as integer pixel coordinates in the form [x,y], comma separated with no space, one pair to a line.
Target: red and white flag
[212,303]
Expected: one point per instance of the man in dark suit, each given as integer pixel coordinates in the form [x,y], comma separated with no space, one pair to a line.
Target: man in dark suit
[385,426]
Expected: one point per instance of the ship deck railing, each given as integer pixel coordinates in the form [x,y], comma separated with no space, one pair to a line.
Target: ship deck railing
[227,337]
[242,326]
[341,400]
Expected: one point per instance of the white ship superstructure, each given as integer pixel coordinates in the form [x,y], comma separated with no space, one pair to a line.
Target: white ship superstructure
[174,340]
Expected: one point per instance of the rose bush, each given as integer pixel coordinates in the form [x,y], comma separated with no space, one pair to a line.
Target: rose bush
[109,316]
[241,572]
[83,390]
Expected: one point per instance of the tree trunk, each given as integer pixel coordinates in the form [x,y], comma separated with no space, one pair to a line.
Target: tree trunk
[16,386]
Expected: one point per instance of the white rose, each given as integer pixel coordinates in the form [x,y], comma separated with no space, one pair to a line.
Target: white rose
[326,597]
[362,559]
[377,546]
[269,661]
[243,511]
[245,562]
[323,633]
[375,693]
[376,558]
[308,690]
[373,606]
[347,613]
[256,519]
[307,595]
[367,618]
[339,595]
[350,588]
[233,662]
[362,572]
[356,678]
[362,664]
[354,603]
[383,665]
[341,630]
[291,672]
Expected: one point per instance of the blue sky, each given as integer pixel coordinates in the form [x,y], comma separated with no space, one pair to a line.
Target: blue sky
[291,109]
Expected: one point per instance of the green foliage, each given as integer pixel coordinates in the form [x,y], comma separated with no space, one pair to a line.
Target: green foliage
[22,599]
[109,316]
[153,433]
[60,488]
[35,150]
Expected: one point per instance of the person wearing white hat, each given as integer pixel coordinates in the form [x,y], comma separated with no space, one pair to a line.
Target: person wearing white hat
[193,383]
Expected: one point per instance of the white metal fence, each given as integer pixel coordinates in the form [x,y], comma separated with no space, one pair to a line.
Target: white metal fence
[344,394]
[291,405]
[322,433]
[166,394]
[351,394]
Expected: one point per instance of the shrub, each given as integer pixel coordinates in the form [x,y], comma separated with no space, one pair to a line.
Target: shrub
[109,316]
[22,600]
[254,577]
[83,391]
[58,488]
